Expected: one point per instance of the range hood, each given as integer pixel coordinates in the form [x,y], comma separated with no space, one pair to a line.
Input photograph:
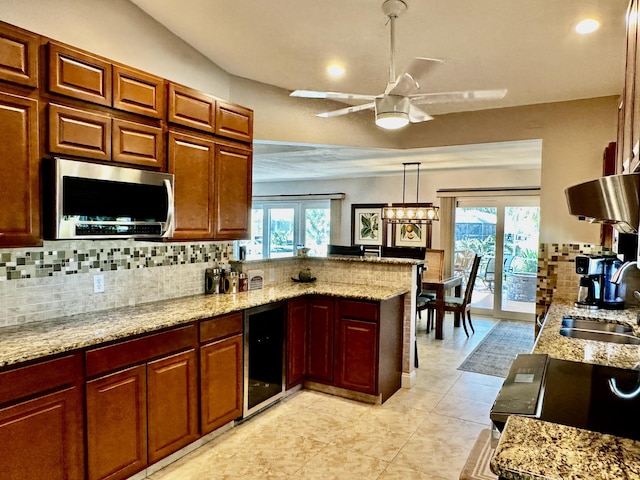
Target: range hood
[612,199]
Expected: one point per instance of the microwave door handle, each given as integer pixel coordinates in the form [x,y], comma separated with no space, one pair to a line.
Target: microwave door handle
[169,226]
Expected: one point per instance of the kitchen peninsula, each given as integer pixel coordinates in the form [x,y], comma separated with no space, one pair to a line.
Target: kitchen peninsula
[533,449]
[130,364]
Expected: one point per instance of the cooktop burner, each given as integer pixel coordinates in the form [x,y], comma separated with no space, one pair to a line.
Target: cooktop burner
[593,397]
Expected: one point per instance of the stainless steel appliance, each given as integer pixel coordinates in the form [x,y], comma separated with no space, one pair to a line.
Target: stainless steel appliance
[596,288]
[89,201]
[613,199]
[589,292]
[264,357]
[594,397]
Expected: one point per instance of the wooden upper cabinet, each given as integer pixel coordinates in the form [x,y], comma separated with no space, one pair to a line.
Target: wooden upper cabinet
[191,108]
[191,160]
[138,92]
[232,192]
[234,121]
[77,132]
[79,75]
[18,55]
[138,144]
[19,172]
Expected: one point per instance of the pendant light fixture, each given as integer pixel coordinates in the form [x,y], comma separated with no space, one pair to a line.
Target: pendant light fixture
[410,212]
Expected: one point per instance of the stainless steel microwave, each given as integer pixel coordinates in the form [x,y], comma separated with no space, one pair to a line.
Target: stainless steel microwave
[90,201]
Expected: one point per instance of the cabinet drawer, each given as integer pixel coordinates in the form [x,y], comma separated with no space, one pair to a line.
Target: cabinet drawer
[111,357]
[78,75]
[76,132]
[18,56]
[234,121]
[39,377]
[220,327]
[191,108]
[138,92]
[359,310]
[138,144]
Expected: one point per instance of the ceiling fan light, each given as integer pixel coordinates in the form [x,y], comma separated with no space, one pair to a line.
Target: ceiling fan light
[392,121]
[392,112]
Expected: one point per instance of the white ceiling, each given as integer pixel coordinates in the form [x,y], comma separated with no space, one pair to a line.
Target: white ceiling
[526,46]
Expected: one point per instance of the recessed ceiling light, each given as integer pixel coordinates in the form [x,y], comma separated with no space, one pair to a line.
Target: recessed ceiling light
[335,70]
[588,25]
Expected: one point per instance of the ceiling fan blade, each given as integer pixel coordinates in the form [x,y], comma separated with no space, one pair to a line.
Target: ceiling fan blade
[410,81]
[330,95]
[344,111]
[456,97]
[417,115]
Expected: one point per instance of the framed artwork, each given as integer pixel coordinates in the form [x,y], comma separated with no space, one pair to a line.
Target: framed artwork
[367,227]
[411,235]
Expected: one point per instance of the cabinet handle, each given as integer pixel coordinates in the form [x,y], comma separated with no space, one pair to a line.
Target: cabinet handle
[170,208]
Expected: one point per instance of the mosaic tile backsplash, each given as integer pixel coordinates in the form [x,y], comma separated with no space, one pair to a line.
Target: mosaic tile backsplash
[57,279]
[557,278]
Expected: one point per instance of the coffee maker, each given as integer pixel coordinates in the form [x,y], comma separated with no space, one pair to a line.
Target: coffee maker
[596,289]
[589,293]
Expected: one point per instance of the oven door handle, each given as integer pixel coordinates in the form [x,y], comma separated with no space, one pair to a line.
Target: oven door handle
[613,386]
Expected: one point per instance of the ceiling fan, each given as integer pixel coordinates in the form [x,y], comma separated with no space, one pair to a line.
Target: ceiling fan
[401,101]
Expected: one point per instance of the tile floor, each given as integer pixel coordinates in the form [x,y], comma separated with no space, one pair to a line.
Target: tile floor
[421,433]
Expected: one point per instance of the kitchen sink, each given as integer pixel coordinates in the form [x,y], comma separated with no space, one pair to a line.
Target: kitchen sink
[595,325]
[601,336]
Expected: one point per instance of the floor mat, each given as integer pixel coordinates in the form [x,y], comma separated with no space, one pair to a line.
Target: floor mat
[495,353]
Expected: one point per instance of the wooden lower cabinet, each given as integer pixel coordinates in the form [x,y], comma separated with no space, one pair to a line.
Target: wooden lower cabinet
[172,404]
[42,420]
[357,355]
[320,330]
[117,424]
[220,382]
[42,437]
[297,341]
[351,344]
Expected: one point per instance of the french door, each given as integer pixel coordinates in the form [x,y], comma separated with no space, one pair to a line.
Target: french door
[505,231]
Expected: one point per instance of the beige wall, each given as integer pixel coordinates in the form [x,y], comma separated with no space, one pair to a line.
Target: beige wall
[574,134]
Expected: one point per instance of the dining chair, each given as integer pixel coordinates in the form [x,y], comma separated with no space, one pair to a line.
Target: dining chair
[434,263]
[459,305]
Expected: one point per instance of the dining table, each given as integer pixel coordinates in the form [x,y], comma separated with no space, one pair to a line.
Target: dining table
[441,287]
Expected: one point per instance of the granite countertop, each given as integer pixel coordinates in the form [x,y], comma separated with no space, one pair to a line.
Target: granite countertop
[602,353]
[531,449]
[20,343]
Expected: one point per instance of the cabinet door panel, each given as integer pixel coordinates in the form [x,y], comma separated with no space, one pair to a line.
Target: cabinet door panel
[138,92]
[358,355]
[191,108]
[191,160]
[77,132]
[232,192]
[172,391]
[79,75]
[43,438]
[297,341]
[117,424]
[138,144]
[234,121]
[320,335]
[220,382]
[19,172]
[18,56]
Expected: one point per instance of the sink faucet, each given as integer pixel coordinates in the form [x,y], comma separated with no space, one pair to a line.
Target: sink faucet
[628,281]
